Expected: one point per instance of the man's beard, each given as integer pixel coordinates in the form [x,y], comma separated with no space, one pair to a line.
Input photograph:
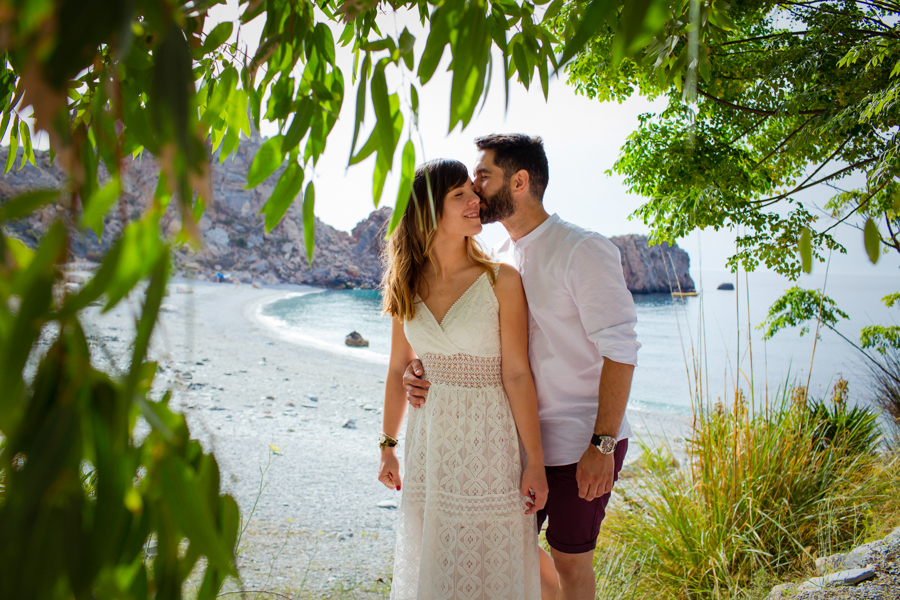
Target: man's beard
[498,207]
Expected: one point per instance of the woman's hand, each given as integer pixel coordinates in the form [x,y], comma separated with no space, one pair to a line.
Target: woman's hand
[534,486]
[389,470]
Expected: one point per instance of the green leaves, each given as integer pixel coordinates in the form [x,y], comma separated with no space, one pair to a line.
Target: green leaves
[438,37]
[595,16]
[99,203]
[153,300]
[286,190]
[880,337]
[805,250]
[267,160]
[309,220]
[406,181]
[173,89]
[139,251]
[25,204]
[872,240]
[360,114]
[28,152]
[471,45]
[405,46]
[381,104]
[797,307]
[13,146]
[218,36]
[303,116]
[191,513]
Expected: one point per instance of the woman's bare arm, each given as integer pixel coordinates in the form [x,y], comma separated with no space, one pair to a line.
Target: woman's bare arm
[394,402]
[517,380]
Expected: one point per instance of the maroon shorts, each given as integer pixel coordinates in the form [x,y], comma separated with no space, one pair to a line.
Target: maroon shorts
[574,522]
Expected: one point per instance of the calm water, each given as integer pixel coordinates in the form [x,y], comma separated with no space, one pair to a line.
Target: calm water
[668,331]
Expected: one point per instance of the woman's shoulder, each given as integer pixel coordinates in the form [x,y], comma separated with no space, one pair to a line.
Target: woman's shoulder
[506,273]
[508,280]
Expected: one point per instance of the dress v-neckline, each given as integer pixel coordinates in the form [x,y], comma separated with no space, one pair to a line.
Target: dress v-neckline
[440,323]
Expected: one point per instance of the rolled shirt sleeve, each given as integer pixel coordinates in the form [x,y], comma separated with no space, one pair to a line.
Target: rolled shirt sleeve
[597,285]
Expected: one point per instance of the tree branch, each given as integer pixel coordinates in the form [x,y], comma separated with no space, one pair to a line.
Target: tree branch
[785,141]
[896,244]
[766,37]
[859,206]
[828,160]
[756,111]
[865,17]
[802,187]
[752,127]
[863,352]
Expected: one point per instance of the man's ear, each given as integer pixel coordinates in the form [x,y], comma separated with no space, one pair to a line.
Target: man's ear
[520,182]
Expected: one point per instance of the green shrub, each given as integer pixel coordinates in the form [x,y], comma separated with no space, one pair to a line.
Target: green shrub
[763,490]
[80,493]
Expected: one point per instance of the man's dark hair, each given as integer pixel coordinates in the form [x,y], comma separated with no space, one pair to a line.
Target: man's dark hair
[514,152]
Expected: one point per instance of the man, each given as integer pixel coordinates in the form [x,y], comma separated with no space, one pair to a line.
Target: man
[582,350]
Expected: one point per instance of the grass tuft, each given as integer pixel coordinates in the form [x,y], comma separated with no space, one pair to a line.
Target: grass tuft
[765,491]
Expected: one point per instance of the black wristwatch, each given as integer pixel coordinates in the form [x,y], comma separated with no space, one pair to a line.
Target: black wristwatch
[605,444]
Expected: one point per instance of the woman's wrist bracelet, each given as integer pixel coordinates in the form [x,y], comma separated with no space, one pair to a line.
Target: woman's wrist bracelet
[386,441]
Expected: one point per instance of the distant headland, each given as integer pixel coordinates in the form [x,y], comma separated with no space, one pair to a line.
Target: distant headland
[236,248]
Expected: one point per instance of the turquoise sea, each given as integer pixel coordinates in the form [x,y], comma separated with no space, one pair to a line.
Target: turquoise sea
[670,333]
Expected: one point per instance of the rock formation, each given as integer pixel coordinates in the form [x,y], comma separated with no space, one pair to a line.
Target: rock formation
[653,269]
[355,340]
[234,236]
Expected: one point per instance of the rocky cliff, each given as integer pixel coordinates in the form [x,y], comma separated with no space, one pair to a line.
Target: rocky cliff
[653,269]
[235,242]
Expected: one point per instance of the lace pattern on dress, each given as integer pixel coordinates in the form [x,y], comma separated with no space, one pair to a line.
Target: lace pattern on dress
[463,370]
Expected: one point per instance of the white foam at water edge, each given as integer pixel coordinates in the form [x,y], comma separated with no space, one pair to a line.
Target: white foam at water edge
[296,336]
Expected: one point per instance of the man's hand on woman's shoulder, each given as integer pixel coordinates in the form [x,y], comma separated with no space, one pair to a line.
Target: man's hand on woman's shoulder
[416,387]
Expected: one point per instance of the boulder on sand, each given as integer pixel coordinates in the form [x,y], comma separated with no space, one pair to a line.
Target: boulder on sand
[355,340]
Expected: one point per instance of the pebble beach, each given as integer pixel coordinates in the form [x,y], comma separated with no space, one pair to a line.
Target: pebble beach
[294,429]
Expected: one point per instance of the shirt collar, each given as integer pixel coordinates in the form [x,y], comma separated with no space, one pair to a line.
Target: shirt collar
[524,241]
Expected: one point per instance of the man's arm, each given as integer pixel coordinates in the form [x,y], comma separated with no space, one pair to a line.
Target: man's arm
[606,310]
[416,387]
[596,472]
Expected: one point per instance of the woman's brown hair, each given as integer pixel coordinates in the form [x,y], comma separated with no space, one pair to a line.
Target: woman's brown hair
[410,245]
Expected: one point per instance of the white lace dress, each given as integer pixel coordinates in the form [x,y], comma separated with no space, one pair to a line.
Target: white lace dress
[462,533]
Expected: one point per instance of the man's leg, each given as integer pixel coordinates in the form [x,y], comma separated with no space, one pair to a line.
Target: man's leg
[576,575]
[572,533]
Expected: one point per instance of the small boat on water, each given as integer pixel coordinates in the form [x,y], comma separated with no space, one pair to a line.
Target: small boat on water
[683,294]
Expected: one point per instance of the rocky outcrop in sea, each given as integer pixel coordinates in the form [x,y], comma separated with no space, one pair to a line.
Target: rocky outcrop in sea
[658,269]
[237,249]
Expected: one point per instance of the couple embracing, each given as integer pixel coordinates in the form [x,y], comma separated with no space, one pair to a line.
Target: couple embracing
[517,368]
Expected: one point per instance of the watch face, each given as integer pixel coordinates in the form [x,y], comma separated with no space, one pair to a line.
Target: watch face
[606,444]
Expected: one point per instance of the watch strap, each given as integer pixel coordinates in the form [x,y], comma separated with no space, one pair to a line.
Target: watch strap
[606,444]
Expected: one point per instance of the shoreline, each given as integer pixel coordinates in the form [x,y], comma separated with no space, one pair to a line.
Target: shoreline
[294,429]
[292,335]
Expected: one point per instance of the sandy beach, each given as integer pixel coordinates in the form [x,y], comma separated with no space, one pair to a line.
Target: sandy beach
[294,428]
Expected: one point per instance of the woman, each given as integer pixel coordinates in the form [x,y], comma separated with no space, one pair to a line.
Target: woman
[465,530]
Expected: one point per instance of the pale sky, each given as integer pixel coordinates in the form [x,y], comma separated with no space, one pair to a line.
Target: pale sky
[582,139]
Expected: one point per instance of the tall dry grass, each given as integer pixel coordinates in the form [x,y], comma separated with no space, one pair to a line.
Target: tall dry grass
[769,485]
[766,490]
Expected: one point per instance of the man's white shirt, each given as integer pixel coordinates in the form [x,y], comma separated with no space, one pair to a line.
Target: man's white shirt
[579,312]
